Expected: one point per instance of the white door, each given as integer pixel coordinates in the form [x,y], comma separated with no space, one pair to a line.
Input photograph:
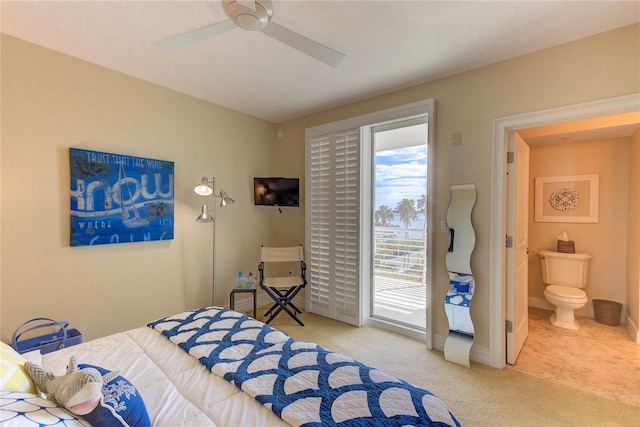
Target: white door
[517,265]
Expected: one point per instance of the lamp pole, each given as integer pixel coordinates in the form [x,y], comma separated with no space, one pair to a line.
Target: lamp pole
[213,242]
[208,188]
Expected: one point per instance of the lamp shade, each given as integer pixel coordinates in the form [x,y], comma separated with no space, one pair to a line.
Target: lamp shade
[204,215]
[225,199]
[203,189]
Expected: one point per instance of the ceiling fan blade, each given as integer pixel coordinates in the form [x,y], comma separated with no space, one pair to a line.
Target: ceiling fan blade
[305,45]
[193,36]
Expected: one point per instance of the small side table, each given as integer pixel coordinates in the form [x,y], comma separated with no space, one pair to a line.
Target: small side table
[235,291]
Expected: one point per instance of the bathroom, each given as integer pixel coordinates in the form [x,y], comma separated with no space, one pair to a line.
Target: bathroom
[613,269]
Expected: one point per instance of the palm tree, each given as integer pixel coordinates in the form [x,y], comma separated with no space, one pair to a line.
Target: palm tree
[422,204]
[407,211]
[422,208]
[384,214]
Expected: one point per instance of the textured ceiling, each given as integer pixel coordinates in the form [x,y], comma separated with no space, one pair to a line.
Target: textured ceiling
[388,44]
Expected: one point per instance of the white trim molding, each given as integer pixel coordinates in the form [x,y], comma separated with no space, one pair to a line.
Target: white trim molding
[632,329]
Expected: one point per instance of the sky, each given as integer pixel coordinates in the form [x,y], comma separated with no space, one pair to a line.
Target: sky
[400,173]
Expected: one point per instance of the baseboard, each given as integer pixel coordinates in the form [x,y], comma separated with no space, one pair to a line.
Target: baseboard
[632,329]
[438,342]
[477,354]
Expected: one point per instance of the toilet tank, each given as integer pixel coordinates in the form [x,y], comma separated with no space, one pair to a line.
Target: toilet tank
[564,269]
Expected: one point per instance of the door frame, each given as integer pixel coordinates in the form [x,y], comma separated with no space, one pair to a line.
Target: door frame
[417,109]
[499,209]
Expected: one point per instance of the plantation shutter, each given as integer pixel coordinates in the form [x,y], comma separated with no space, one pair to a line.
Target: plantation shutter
[333,224]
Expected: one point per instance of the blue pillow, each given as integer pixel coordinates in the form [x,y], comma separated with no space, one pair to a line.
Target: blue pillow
[121,405]
[461,283]
[462,288]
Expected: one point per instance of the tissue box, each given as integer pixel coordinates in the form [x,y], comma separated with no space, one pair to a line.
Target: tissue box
[566,247]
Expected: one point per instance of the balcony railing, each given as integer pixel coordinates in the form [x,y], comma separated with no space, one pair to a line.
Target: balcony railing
[400,293]
[400,253]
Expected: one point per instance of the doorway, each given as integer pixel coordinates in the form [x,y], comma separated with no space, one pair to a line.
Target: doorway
[502,302]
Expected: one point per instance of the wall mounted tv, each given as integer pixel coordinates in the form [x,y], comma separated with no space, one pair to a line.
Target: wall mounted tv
[276,191]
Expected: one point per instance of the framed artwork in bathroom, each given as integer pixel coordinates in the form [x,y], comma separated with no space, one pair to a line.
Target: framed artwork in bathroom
[572,198]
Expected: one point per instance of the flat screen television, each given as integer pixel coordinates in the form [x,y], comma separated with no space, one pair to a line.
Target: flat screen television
[276,191]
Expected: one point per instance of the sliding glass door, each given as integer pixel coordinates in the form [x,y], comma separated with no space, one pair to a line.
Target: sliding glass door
[399,247]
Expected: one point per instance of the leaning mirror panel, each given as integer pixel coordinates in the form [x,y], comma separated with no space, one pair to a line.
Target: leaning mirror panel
[461,282]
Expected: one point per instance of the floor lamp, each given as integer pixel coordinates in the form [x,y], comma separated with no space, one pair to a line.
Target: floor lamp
[207,188]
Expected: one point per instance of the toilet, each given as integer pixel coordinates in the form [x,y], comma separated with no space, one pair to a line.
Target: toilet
[565,276]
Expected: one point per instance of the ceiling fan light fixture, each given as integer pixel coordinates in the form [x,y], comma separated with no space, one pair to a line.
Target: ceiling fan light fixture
[247,18]
[255,15]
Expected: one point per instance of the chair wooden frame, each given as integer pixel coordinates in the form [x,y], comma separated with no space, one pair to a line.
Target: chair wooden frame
[282,289]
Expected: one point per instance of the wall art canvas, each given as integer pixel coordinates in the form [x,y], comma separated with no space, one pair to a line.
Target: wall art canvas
[116,198]
[571,198]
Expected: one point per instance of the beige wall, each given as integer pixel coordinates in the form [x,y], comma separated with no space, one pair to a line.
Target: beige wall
[606,240]
[51,102]
[603,66]
[633,234]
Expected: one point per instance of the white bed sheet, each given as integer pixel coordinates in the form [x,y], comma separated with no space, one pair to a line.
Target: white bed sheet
[176,388]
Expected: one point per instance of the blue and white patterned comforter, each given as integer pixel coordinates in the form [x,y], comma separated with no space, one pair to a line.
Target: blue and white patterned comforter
[455,298]
[301,382]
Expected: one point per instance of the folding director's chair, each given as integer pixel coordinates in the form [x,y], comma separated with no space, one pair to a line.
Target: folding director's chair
[282,289]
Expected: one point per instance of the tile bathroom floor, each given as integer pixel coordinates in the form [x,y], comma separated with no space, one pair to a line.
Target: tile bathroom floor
[597,357]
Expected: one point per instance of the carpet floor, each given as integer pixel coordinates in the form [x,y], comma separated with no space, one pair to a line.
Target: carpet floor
[479,396]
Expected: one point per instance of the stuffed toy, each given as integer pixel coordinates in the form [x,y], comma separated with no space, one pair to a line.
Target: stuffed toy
[99,396]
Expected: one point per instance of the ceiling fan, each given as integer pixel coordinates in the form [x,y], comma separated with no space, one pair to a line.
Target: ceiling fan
[255,15]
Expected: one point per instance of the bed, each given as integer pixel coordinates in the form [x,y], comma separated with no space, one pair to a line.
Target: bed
[218,367]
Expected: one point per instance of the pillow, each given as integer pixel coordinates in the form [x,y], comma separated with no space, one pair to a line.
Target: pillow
[19,409]
[13,376]
[461,283]
[121,402]
[462,288]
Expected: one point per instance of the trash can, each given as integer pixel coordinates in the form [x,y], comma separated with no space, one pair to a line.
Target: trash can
[607,312]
